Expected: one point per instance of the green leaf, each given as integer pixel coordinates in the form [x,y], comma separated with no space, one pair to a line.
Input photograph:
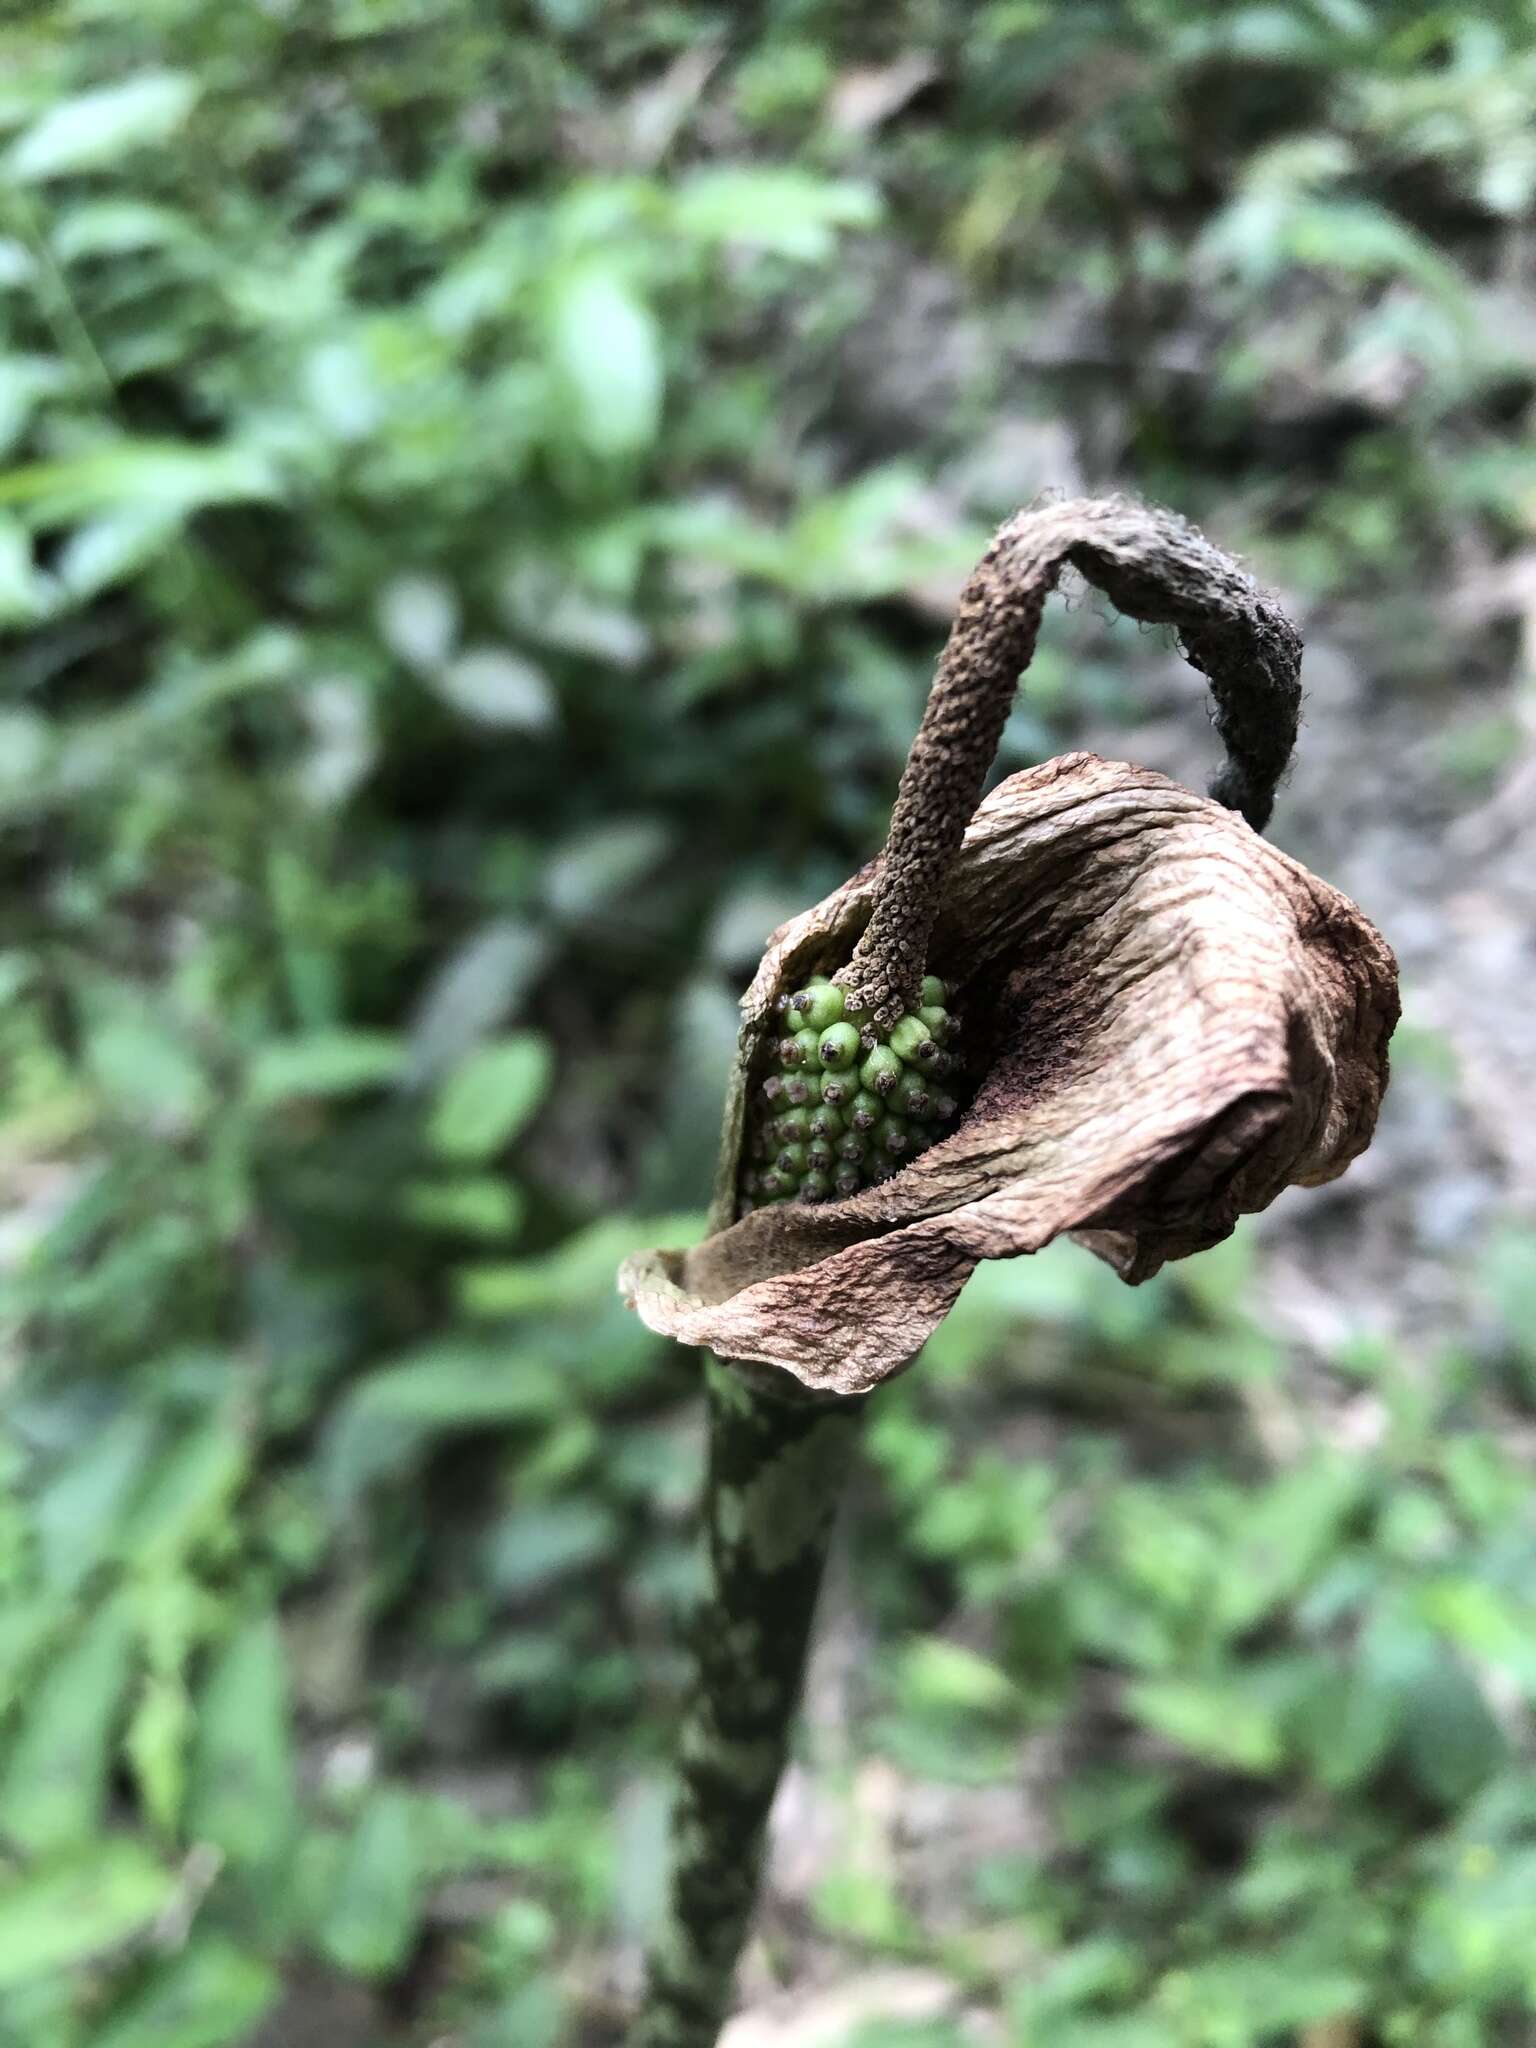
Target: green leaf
[118,227]
[489,1097]
[78,1515]
[95,129]
[324,1063]
[1345,1722]
[533,1547]
[111,549]
[476,988]
[786,212]
[419,620]
[605,353]
[380,1884]
[393,1414]
[165,476]
[494,686]
[156,1745]
[140,1063]
[26,382]
[210,1996]
[241,1796]
[570,1276]
[25,591]
[1220,1722]
[587,873]
[68,1912]
[53,1790]
[26,1627]
[186,1494]
[1450,1740]
[1507,1272]
[946,1678]
[476,1206]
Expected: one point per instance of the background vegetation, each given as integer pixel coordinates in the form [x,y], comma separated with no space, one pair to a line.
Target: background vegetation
[482,491]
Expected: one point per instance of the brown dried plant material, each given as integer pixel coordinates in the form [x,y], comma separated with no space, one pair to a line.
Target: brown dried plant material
[1183,1021]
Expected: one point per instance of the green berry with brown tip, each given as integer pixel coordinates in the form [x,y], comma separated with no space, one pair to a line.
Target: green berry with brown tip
[881,1070]
[913,1042]
[793,1127]
[815,1187]
[934,994]
[911,1096]
[838,1047]
[893,1137]
[810,1059]
[865,1111]
[818,1007]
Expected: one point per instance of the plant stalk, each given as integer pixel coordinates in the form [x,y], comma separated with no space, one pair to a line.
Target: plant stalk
[777,1467]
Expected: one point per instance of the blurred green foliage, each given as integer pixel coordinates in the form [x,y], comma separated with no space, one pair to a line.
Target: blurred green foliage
[480,492]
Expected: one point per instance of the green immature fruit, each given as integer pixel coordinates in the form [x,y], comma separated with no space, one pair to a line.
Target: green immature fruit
[911,1096]
[818,1006]
[881,1071]
[865,1111]
[914,1043]
[844,1106]
[839,1047]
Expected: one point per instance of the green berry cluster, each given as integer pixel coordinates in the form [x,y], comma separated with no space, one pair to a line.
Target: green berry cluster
[843,1106]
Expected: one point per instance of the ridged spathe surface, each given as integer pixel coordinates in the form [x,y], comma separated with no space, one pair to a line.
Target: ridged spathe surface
[1183,1021]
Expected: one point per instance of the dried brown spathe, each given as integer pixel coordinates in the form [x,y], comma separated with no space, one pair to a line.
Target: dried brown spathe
[1176,1022]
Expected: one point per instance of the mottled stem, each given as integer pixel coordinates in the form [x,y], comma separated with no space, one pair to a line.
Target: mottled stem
[1153,566]
[776,1471]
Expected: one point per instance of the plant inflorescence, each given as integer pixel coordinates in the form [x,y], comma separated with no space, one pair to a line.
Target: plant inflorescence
[845,1104]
